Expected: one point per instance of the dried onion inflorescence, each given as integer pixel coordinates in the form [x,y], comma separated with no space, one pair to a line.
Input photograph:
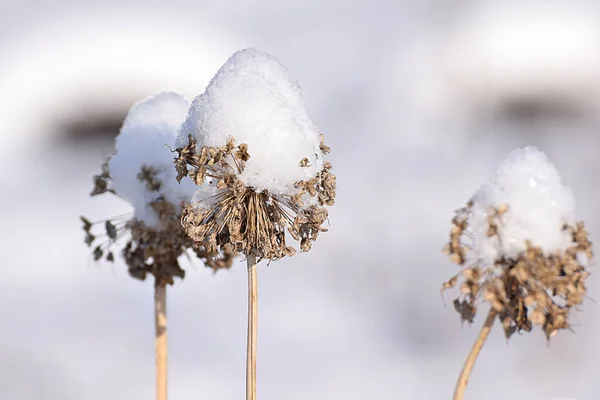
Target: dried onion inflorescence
[141,172]
[532,289]
[149,249]
[238,218]
[526,283]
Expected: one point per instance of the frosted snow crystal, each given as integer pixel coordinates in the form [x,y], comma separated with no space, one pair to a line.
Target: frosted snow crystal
[149,128]
[538,207]
[254,99]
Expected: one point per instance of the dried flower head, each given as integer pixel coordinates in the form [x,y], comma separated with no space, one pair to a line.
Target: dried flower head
[154,236]
[529,255]
[239,218]
[257,160]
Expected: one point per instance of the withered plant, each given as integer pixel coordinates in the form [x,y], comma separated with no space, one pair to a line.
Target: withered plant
[151,250]
[238,218]
[535,288]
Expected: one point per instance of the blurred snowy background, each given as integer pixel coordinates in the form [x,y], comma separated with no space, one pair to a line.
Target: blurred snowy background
[419,101]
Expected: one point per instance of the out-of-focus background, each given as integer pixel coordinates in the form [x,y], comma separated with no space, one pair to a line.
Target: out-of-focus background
[419,101]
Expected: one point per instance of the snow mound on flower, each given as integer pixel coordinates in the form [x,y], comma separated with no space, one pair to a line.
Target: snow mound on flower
[538,207]
[253,99]
[150,128]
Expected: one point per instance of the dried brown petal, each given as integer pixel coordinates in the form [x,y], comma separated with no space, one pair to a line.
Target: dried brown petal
[325,149]
[450,284]
[98,253]
[465,309]
[111,230]
[89,239]
[87,225]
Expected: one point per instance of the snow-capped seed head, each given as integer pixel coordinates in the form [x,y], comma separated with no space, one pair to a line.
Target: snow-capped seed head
[253,99]
[258,160]
[141,172]
[527,199]
[529,254]
[145,141]
[243,219]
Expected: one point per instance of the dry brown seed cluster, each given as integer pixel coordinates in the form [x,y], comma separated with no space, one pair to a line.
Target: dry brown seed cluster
[102,182]
[150,250]
[242,220]
[533,289]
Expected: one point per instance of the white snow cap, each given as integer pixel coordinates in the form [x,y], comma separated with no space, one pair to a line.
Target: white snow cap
[254,99]
[538,207]
[150,126]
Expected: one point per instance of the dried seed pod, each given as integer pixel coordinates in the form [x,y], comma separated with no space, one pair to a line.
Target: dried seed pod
[527,290]
[89,238]
[530,257]
[111,230]
[154,249]
[248,221]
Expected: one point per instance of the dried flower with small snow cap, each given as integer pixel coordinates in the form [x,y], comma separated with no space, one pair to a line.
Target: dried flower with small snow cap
[257,159]
[521,249]
[141,172]
[530,253]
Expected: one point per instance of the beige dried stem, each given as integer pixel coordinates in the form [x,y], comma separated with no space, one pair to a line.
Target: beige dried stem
[151,250]
[463,379]
[534,288]
[252,328]
[160,325]
[240,219]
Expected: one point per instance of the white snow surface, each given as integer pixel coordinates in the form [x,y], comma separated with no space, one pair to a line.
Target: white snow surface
[150,128]
[253,99]
[538,207]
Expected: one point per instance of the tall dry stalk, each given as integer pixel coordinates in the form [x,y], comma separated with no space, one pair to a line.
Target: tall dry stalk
[252,328]
[141,173]
[463,379]
[240,219]
[160,324]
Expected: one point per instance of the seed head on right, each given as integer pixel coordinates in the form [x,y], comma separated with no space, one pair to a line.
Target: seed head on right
[521,248]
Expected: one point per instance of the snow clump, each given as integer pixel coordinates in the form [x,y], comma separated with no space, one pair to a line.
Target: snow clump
[254,100]
[537,208]
[148,133]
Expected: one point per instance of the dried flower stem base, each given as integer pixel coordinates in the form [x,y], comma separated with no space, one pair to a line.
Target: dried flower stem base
[463,379]
[252,328]
[160,323]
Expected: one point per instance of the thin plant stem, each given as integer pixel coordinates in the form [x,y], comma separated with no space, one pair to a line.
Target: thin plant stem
[160,324]
[252,329]
[463,379]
